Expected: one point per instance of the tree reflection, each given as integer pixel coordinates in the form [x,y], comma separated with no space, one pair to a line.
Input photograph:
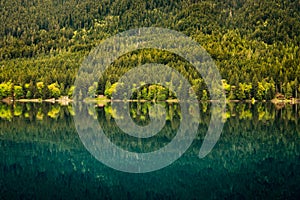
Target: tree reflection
[139,112]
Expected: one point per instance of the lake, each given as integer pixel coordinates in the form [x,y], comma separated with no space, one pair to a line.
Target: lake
[257,155]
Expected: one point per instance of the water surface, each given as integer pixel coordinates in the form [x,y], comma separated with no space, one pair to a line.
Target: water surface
[257,155]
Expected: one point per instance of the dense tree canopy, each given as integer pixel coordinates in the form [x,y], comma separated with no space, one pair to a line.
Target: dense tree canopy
[255,43]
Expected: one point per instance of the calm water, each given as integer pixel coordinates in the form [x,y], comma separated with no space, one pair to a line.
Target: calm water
[258,155]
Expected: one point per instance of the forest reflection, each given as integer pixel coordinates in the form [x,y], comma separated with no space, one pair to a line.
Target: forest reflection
[53,123]
[139,111]
[252,133]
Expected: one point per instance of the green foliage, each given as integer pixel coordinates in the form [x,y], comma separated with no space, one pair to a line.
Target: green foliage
[54,90]
[40,86]
[204,95]
[5,89]
[109,91]
[244,91]
[255,44]
[18,91]
[92,89]
[5,113]
[162,93]
[71,91]
[288,91]
[265,90]
[54,112]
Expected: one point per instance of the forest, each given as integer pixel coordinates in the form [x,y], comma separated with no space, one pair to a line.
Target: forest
[254,43]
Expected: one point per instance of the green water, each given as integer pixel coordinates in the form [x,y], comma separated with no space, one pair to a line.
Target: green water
[257,155]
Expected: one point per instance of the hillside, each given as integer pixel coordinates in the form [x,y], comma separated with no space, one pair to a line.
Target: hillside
[255,43]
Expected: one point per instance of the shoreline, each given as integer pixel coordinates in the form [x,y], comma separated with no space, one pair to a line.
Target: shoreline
[104,100]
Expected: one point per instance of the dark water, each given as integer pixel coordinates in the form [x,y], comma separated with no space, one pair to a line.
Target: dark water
[257,156]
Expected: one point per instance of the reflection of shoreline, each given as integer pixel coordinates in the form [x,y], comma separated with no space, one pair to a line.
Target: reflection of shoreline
[62,101]
[274,101]
[290,101]
[29,100]
[52,152]
[293,100]
[265,111]
[262,116]
[104,101]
